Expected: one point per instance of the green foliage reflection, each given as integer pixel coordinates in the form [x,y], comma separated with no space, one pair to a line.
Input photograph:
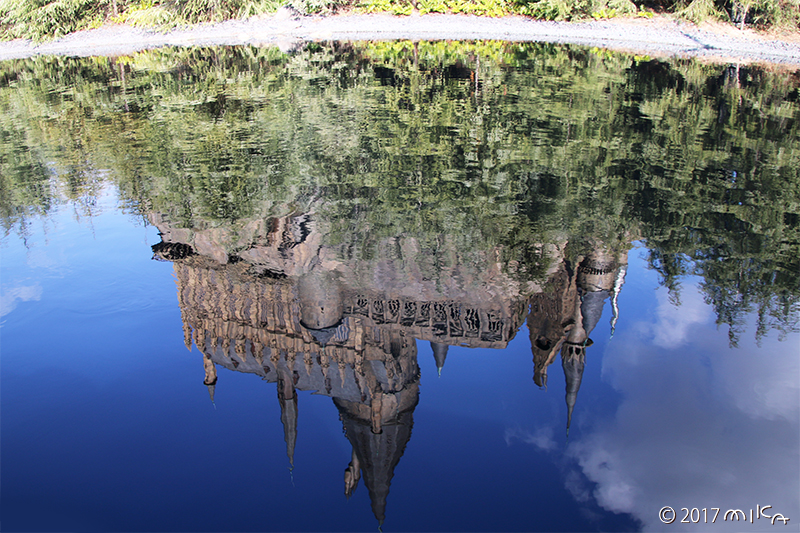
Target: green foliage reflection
[491,146]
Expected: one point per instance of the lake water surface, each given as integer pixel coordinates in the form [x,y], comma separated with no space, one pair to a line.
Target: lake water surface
[419,286]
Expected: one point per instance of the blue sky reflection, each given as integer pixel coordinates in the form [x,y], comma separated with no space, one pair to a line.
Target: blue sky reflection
[107,398]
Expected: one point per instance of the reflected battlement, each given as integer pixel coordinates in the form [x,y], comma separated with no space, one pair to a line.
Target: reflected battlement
[255,326]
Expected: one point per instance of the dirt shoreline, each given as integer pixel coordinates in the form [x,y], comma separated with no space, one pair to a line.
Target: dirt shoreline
[661,37]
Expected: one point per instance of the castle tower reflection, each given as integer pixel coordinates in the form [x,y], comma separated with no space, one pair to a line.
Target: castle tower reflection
[564,318]
[287,310]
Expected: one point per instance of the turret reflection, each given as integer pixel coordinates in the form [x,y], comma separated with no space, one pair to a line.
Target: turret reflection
[563,319]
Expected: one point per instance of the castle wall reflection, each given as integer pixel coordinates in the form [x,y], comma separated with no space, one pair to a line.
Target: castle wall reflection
[353,337]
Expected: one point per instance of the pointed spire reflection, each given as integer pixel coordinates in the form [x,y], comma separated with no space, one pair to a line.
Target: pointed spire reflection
[210,379]
[599,275]
[377,454]
[561,320]
[287,397]
[573,361]
[439,355]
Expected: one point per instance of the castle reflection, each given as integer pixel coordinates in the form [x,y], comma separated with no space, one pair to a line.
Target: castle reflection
[288,308]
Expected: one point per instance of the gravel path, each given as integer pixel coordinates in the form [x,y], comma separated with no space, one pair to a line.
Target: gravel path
[658,37]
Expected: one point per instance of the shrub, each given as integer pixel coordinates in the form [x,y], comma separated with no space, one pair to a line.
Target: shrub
[555,9]
[149,15]
[778,13]
[39,19]
[194,11]
[700,10]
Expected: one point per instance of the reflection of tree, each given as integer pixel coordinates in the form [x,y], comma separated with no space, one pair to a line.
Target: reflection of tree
[467,146]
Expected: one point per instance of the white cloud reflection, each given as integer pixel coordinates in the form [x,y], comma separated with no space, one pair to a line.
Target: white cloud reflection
[10,297]
[542,437]
[700,424]
[675,322]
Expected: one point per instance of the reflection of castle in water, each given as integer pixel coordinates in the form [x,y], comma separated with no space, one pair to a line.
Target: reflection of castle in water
[287,310]
[564,319]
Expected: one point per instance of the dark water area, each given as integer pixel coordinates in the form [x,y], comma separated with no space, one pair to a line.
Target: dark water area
[420,286]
